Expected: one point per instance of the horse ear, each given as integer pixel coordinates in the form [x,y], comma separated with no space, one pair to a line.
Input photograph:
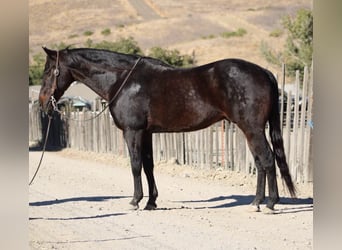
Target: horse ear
[50,53]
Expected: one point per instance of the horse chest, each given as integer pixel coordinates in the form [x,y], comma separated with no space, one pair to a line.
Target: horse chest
[131,107]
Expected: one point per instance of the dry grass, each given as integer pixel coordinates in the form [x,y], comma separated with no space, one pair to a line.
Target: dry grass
[180,25]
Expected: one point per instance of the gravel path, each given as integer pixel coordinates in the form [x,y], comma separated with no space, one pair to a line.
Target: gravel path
[82,203]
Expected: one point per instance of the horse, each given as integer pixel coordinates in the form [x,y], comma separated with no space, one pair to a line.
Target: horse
[146,96]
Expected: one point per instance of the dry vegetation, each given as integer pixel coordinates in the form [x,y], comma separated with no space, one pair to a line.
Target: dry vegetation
[189,26]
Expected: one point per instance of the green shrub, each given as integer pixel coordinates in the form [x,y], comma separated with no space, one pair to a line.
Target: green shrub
[270,55]
[172,57]
[88,33]
[121,45]
[106,32]
[36,69]
[298,48]
[60,46]
[239,33]
[276,33]
[208,37]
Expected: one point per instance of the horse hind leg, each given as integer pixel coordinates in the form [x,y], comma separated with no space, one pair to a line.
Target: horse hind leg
[265,164]
[147,158]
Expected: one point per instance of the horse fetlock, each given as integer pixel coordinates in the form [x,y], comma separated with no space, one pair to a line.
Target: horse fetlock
[258,200]
[135,202]
[150,206]
[133,206]
[271,202]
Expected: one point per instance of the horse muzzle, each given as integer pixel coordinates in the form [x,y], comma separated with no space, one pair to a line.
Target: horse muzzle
[46,103]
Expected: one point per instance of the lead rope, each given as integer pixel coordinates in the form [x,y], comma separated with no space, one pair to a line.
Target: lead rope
[53,103]
[44,147]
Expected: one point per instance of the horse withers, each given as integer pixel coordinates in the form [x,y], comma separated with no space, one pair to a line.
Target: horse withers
[147,96]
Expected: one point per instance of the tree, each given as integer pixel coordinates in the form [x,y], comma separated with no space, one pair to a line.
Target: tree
[298,48]
[36,69]
[299,43]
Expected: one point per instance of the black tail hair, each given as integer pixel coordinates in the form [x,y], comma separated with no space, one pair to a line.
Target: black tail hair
[277,139]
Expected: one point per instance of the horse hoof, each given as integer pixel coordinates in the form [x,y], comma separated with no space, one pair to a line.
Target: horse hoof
[268,210]
[254,208]
[150,207]
[133,206]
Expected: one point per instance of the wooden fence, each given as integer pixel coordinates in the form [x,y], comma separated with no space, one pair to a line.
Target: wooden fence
[221,145]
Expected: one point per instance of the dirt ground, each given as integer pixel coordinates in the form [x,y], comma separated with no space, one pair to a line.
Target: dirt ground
[79,200]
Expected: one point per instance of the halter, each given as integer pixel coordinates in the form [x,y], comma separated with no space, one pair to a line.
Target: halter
[56,74]
[54,86]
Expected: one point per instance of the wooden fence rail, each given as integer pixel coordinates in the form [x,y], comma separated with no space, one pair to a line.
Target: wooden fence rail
[221,145]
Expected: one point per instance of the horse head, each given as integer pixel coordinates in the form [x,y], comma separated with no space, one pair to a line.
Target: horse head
[56,78]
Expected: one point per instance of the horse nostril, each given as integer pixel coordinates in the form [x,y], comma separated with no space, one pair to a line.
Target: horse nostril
[43,101]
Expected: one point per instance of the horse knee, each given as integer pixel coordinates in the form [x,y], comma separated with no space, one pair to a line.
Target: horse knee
[136,170]
[266,159]
[269,162]
[265,162]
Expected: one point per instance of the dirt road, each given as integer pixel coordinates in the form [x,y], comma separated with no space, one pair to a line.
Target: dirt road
[79,201]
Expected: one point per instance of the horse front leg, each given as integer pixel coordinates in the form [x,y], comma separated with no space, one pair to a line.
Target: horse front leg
[147,158]
[134,143]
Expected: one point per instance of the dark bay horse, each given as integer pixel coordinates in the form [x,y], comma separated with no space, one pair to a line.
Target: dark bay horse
[157,97]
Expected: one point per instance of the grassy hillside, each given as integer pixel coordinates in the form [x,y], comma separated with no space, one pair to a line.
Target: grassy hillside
[207,28]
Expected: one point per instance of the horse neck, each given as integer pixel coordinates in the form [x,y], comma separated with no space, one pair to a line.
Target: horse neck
[101,76]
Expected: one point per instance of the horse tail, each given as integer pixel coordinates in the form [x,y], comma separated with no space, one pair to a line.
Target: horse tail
[277,139]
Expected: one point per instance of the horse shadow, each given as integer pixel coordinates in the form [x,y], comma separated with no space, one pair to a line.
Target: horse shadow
[48,148]
[242,200]
[77,199]
[78,217]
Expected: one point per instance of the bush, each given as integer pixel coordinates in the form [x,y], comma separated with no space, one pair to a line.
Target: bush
[276,33]
[270,55]
[88,33]
[298,48]
[172,57]
[106,32]
[239,33]
[61,46]
[122,45]
[36,69]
